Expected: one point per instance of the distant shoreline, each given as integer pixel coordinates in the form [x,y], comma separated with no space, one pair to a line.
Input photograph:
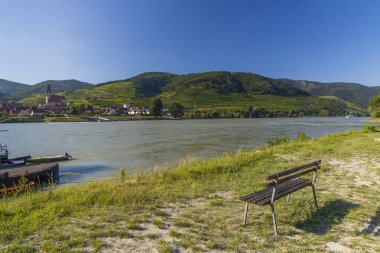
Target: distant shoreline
[126,118]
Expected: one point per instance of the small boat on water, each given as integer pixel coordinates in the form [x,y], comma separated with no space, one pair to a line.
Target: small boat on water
[6,162]
[48,159]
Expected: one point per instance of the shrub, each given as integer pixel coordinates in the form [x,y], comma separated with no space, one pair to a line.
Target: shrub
[302,136]
[278,140]
[369,128]
[176,110]
[122,174]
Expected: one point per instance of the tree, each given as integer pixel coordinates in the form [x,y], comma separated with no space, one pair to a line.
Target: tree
[373,106]
[82,109]
[74,110]
[249,112]
[156,108]
[176,110]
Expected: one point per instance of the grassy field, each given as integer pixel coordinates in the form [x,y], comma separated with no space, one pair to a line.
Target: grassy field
[195,206]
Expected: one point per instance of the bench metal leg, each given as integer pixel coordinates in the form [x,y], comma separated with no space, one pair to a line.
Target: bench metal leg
[288,197]
[245,213]
[315,196]
[274,219]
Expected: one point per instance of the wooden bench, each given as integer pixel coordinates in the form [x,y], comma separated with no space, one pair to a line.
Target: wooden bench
[282,184]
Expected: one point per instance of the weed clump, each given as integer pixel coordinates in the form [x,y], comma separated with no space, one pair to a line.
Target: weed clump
[164,247]
[302,136]
[279,140]
[369,128]
[122,174]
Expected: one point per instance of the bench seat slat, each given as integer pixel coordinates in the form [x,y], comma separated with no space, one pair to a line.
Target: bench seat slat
[285,186]
[261,197]
[268,191]
[284,193]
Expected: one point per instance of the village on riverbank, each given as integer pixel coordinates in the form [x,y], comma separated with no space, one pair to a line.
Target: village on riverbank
[55,108]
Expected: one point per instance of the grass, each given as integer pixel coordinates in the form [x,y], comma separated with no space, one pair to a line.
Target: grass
[20,119]
[164,247]
[159,224]
[199,202]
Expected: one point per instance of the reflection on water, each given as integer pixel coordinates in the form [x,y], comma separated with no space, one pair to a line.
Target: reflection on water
[79,173]
[102,148]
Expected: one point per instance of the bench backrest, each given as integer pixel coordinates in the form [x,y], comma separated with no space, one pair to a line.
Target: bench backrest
[286,175]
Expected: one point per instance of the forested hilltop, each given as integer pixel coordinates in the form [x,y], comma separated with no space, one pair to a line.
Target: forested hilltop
[353,92]
[16,91]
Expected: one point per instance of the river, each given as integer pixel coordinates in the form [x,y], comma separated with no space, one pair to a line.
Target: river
[100,149]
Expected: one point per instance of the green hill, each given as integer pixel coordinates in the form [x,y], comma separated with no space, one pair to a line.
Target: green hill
[4,97]
[209,91]
[56,86]
[353,92]
[9,87]
[350,106]
[226,82]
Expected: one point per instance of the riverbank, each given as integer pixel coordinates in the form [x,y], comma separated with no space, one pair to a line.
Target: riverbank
[76,119]
[117,118]
[375,120]
[195,206]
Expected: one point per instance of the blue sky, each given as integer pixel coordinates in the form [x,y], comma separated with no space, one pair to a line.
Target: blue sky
[97,41]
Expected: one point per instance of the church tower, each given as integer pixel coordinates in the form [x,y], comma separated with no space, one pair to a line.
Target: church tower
[48,93]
